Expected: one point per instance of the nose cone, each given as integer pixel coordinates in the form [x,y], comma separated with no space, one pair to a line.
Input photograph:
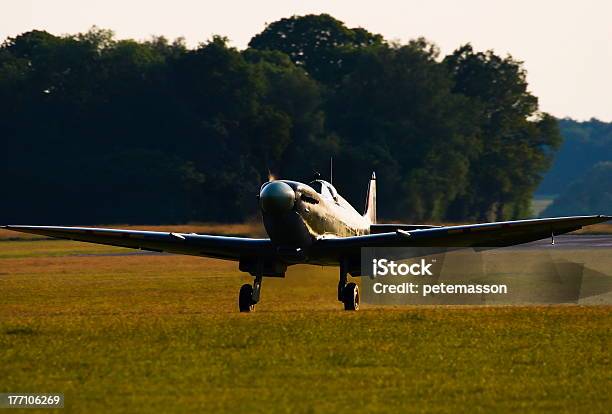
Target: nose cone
[277,197]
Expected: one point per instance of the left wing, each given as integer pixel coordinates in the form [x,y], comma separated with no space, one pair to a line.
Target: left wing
[497,234]
[222,247]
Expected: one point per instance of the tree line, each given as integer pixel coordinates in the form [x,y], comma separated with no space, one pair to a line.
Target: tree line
[589,193]
[584,144]
[100,130]
[581,175]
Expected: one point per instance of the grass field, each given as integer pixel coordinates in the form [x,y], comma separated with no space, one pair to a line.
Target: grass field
[161,333]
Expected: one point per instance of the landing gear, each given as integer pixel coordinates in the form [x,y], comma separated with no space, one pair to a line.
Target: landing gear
[245,298]
[249,295]
[341,285]
[347,293]
[351,297]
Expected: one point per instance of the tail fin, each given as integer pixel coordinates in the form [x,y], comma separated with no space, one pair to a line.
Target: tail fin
[370,207]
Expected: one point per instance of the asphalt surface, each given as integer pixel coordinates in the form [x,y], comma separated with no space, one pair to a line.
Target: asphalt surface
[571,241]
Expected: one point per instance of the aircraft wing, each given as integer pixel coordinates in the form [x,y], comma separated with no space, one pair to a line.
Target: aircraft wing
[221,247]
[497,234]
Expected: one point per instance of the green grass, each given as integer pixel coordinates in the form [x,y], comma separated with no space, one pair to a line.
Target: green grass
[162,334]
[14,249]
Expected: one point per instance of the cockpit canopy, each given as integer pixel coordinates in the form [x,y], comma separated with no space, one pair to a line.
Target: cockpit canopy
[325,189]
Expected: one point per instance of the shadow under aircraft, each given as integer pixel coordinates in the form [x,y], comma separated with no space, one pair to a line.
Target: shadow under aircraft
[313,224]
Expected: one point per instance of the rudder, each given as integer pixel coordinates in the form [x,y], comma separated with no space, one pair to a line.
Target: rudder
[370,207]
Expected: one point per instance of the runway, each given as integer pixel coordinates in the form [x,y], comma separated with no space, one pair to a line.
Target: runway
[571,241]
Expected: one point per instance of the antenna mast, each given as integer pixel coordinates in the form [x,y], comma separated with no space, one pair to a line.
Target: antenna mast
[331,170]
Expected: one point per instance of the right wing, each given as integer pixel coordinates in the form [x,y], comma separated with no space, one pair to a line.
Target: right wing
[222,247]
[497,234]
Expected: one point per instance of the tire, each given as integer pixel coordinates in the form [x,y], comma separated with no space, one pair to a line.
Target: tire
[350,297]
[245,301]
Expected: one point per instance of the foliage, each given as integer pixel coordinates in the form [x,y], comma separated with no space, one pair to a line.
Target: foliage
[319,43]
[589,194]
[104,130]
[584,145]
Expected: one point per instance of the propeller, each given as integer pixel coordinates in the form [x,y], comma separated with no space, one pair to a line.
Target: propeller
[271,177]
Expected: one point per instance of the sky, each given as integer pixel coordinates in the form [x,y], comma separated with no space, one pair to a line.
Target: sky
[566,46]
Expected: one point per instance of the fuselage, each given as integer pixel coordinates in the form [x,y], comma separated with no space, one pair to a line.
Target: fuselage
[295,214]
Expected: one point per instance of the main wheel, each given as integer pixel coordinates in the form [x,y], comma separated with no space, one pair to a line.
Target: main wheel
[350,297]
[245,299]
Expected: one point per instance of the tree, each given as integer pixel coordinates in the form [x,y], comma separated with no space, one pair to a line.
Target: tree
[395,114]
[291,95]
[517,140]
[316,42]
[584,145]
[589,194]
[98,127]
